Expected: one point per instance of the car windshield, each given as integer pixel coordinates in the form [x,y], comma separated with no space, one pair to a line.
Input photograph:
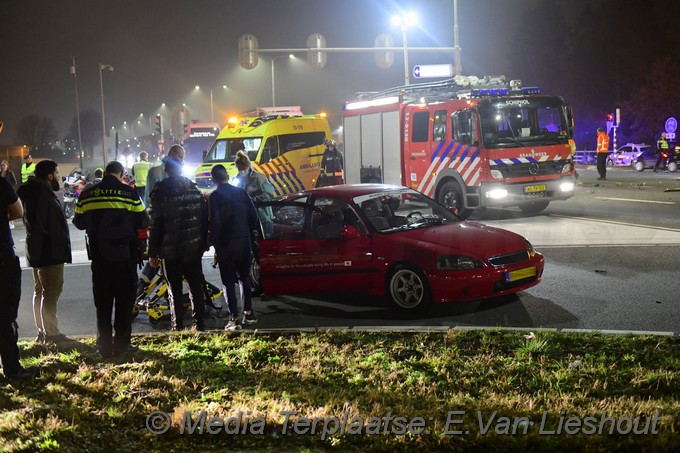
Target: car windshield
[224,150]
[401,210]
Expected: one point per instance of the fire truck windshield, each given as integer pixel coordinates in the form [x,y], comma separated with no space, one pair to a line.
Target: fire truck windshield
[517,122]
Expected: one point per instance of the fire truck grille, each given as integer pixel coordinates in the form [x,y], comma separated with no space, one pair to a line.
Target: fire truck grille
[531,169]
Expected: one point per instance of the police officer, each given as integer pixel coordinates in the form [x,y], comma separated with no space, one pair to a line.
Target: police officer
[662,146]
[331,166]
[28,168]
[140,171]
[116,222]
[602,153]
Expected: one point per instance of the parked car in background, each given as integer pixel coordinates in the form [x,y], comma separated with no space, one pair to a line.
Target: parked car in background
[388,241]
[626,155]
[648,157]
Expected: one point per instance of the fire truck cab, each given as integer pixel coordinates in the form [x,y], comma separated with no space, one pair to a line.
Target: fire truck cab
[467,142]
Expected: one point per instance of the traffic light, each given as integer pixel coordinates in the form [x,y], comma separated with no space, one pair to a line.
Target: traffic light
[610,117]
[159,125]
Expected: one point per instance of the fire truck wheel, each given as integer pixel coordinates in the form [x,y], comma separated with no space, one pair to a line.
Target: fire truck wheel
[407,288]
[451,196]
[534,207]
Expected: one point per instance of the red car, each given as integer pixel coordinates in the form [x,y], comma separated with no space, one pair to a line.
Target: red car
[388,241]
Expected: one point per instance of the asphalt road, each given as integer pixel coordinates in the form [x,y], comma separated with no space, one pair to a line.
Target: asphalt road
[611,264]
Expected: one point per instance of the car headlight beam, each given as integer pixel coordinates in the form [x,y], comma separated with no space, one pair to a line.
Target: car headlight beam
[496,194]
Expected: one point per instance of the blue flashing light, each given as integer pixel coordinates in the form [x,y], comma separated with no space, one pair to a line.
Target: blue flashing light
[531,90]
[489,92]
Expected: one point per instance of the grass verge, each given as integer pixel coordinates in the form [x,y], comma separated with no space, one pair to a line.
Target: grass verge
[351,391]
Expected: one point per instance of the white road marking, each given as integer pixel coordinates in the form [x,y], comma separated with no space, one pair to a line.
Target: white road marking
[636,201]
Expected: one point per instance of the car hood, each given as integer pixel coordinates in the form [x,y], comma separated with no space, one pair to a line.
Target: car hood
[465,238]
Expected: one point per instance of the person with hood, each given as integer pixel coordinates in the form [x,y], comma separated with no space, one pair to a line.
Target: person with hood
[48,246]
[178,237]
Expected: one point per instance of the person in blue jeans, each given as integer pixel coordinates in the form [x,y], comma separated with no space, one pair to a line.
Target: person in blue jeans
[233,219]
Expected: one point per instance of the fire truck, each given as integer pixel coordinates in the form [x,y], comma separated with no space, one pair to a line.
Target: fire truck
[468,142]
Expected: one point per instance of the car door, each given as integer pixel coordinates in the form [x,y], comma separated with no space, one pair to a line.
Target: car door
[314,250]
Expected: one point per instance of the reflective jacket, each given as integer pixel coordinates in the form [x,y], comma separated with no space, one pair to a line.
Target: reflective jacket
[662,144]
[47,237]
[27,170]
[179,220]
[140,171]
[602,142]
[114,218]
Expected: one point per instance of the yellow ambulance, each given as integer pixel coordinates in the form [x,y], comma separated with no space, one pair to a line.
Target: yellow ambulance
[281,142]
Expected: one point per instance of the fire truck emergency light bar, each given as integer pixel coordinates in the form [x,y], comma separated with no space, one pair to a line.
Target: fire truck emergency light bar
[373,103]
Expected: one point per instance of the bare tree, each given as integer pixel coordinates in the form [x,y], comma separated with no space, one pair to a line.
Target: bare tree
[38,133]
[91,130]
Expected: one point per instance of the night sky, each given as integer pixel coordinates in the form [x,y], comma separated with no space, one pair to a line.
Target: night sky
[162,49]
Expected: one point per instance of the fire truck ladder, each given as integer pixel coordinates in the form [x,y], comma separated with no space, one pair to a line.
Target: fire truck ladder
[457,87]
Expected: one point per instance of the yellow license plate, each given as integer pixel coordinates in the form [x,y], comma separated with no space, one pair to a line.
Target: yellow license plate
[520,274]
[534,189]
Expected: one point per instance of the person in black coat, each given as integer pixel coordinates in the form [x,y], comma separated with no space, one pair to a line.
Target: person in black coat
[48,246]
[10,282]
[233,218]
[178,234]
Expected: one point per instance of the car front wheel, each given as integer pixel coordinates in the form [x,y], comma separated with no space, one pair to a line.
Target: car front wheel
[639,165]
[673,167]
[407,288]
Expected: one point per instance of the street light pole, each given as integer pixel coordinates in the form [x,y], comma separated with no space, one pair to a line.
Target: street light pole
[272,60]
[407,78]
[101,91]
[404,20]
[212,110]
[458,69]
[80,137]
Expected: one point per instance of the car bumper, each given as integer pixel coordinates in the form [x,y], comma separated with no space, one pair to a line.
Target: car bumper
[513,194]
[462,286]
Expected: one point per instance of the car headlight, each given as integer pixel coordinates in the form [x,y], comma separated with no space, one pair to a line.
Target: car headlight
[457,263]
[530,248]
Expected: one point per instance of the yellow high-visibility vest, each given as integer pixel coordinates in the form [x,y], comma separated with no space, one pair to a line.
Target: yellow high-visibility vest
[141,172]
[26,171]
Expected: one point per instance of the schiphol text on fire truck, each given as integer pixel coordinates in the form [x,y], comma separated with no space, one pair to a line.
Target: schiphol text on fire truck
[468,142]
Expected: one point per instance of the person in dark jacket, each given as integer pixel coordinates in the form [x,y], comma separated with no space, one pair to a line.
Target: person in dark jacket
[48,246]
[178,235]
[115,221]
[10,282]
[232,219]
